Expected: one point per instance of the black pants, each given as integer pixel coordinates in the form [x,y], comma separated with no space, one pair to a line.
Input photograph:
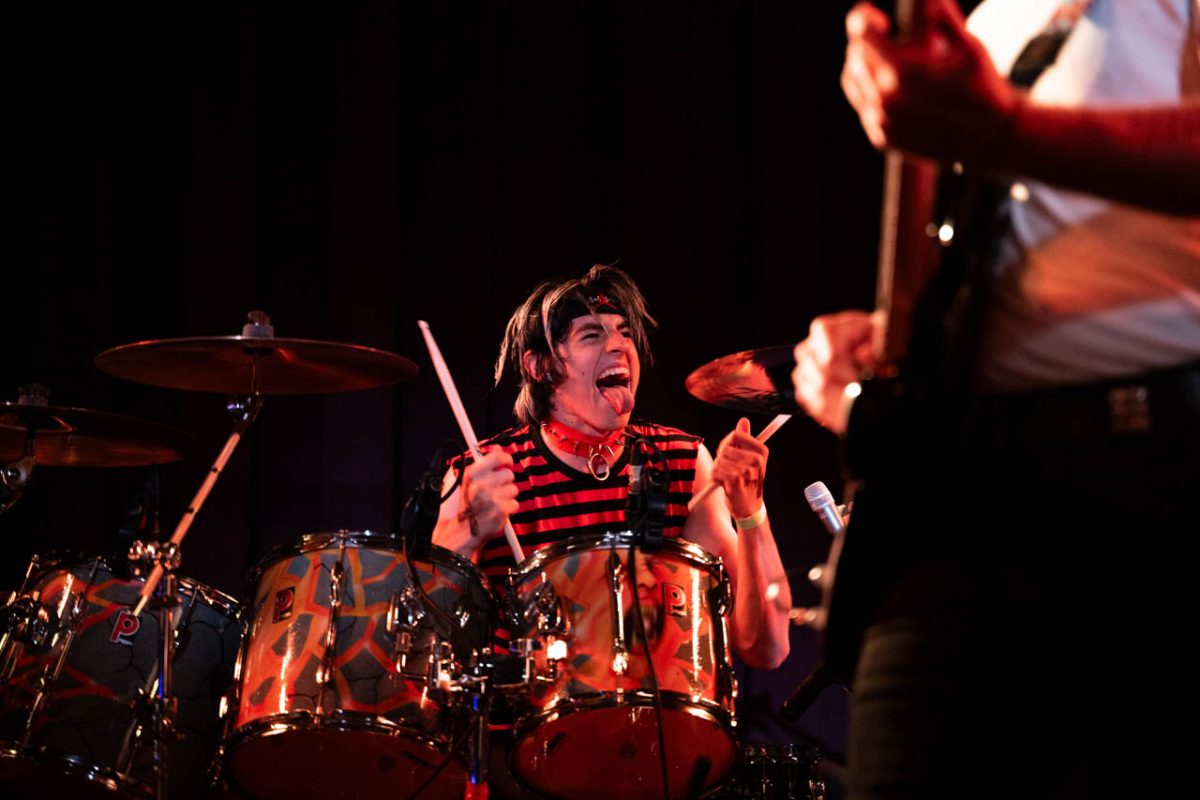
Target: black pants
[1037,644]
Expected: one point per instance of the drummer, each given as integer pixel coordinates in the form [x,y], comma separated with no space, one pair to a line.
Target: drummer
[577,347]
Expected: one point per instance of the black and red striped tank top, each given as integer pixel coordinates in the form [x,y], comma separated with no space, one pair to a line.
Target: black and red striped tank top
[556,502]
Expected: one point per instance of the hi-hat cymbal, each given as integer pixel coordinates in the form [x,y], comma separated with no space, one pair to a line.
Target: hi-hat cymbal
[78,437]
[754,381]
[227,364]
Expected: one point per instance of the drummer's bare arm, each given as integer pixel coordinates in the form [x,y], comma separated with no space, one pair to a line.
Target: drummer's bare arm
[762,598]
[491,496]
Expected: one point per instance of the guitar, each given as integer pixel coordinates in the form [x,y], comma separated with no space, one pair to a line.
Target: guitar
[928,236]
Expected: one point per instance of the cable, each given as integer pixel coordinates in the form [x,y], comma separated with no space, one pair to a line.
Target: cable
[463,738]
[643,521]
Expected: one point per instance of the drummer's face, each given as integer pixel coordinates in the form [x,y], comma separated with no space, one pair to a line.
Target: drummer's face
[600,375]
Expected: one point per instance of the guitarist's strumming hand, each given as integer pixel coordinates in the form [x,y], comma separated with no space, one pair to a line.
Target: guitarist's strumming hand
[838,348]
[937,95]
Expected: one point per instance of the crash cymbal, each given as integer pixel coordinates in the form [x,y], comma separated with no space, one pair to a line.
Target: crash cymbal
[754,381]
[78,437]
[228,364]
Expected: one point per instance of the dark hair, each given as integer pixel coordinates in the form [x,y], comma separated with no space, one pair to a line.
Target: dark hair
[543,320]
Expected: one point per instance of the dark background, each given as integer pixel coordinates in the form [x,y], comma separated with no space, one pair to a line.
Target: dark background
[352,168]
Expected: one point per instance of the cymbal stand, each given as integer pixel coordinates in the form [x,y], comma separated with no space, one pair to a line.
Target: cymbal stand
[245,410]
[165,558]
[157,712]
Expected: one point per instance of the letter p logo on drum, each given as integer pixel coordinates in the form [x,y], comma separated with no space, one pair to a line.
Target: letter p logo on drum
[125,627]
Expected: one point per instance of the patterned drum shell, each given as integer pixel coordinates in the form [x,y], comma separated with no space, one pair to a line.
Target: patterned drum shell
[372,727]
[69,708]
[590,731]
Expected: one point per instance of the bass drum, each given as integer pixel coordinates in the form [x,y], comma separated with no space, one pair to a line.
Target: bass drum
[586,722]
[78,670]
[352,670]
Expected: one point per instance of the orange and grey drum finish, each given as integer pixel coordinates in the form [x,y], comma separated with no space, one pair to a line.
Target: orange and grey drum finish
[587,725]
[78,681]
[347,670]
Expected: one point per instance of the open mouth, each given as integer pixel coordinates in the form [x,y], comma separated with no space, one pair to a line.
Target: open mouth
[615,384]
[613,377]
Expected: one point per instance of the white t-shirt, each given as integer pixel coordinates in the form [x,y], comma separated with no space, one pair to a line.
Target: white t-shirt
[1089,289]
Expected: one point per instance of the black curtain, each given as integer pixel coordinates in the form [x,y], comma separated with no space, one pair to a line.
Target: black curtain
[352,168]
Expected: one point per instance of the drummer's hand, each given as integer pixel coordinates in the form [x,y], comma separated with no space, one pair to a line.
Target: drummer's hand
[740,467]
[489,495]
[838,347]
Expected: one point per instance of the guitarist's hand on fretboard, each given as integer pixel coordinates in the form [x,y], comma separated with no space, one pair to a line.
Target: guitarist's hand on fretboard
[936,94]
[838,349]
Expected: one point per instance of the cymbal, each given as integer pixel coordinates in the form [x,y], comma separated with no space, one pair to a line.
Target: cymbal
[78,437]
[754,381]
[226,364]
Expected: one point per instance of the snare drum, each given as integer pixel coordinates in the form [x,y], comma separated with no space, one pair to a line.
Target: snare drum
[350,673]
[586,721]
[78,669]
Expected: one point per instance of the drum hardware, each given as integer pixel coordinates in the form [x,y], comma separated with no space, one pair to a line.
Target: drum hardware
[23,619]
[403,618]
[778,772]
[33,433]
[720,598]
[84,706]
[156,707]
[324,675]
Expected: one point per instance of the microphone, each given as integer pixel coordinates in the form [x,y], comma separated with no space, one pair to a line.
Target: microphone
[634,505]
[420,514]
[807,692]
[821,501]
[646,504]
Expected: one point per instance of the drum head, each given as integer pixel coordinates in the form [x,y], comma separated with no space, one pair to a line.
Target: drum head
[295,764]
[614,752]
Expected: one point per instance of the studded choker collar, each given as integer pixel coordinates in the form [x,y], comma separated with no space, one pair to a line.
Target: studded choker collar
[600,451]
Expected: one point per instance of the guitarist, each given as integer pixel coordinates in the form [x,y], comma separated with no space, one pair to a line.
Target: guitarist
[1019,553]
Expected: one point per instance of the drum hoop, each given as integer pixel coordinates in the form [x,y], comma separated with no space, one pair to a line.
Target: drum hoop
[336,720]
[316,542]
[65,559]
[76,767]
[620,540]
[671,701]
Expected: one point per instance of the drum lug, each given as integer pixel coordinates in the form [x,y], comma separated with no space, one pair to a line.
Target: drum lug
[442,667]
[556,653]
[27,621]
[404,617]
[620,660]
[324,675]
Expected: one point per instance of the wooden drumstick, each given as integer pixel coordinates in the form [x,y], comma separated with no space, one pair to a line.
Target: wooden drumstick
[464,424]
[763,435]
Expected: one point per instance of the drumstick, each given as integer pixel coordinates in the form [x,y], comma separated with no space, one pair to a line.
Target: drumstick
[763,435]
[464,424]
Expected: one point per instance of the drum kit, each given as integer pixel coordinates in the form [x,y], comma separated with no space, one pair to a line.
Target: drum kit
[364,664]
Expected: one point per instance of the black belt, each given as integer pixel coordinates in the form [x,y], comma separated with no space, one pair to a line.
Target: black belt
[1164,403]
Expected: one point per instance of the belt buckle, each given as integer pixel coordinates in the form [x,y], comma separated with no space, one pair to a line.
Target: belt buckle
[1129,409]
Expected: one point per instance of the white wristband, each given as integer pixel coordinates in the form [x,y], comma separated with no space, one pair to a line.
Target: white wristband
[752,521]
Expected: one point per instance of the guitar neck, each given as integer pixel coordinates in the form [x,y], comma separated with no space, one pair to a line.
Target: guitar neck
[907,256]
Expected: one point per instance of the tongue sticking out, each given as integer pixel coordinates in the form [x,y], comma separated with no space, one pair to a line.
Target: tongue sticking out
[619,397]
